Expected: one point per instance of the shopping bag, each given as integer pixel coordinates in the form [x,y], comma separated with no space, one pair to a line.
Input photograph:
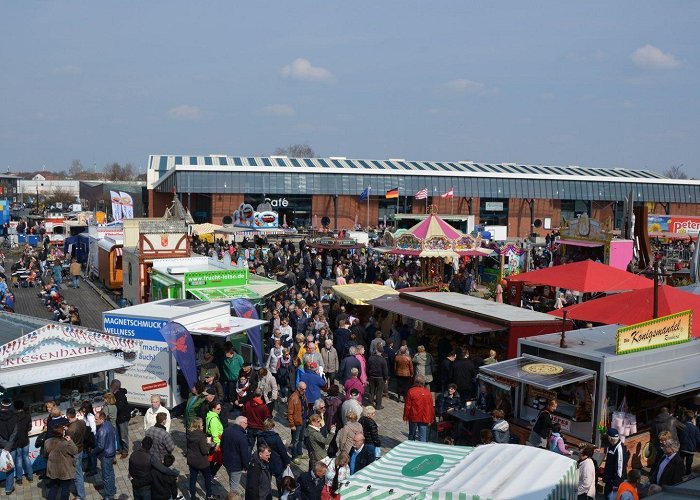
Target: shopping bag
[215,456]
[6,463]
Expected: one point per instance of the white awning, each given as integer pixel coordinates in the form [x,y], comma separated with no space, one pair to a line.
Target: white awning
[61,369]
[223,326]
[667,378]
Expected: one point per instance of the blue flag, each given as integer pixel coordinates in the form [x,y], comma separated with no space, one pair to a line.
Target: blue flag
[246,309]
[365,194]
[180,344]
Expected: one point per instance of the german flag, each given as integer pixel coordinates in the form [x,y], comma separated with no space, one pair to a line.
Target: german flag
[392,193]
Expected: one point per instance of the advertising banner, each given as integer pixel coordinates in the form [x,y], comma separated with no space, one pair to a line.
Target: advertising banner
[683,224]
[248,217]
[659,332]
[127,205]
[216,279]
[150,374]
[116,205]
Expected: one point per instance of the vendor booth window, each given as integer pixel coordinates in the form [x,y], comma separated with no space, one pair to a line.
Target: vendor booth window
[493,212]
[570,209]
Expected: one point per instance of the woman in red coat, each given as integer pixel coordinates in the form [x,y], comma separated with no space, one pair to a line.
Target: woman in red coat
[418,410]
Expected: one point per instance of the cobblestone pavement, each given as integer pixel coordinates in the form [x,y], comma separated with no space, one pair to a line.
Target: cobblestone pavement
[391,428]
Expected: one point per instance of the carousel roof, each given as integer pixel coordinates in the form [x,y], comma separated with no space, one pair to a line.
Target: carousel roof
[434,226]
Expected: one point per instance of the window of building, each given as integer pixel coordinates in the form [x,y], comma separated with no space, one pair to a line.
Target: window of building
[493,211]
[570,209]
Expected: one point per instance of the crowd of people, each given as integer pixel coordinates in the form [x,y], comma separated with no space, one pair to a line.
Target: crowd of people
[326,375]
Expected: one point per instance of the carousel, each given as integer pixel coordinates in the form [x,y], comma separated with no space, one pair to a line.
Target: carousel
[435,243]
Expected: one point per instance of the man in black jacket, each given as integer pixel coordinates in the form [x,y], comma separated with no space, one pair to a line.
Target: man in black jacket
[8,436]
[123,416]
[361,454]
[670,469]
[164,479]
[140,470]
[20,454]
[311,482]
[258,485]
[464,374]
[378,374]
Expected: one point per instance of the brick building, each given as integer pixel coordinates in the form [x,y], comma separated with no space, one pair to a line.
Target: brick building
[212,188]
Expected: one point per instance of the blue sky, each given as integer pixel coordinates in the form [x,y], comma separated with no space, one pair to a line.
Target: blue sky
[594,83]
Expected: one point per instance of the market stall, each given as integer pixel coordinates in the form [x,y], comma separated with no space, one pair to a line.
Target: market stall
[584,238]
[155,370]
[426,471]
[489,324]
[359,294]
[42,360]
[208,279]
[605,376]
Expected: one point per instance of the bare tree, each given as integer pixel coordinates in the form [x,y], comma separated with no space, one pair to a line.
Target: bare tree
[675,172]
[296,151]
[59,195]
[115,172]
[76,169]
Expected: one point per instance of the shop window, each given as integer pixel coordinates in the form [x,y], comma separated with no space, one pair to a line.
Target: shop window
[493,211]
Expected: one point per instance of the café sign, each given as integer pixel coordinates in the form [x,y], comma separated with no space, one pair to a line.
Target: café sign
[659,332]
[216,279]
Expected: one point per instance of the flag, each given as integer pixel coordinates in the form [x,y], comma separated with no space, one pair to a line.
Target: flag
[422,194]
[116,205]
[245,309]
[392,193]
[180,344]
[449,194]
[127,205]
[365,194]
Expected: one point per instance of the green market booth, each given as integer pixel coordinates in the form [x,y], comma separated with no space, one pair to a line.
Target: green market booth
[204,283]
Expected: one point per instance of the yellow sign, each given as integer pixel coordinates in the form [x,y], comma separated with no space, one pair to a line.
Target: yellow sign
[659,332]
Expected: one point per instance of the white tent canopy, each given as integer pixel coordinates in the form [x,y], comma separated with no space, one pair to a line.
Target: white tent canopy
[422,471]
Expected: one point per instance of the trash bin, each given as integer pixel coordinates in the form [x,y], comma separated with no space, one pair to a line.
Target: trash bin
[33,239]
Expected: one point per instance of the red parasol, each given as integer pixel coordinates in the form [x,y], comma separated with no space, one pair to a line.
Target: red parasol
[585,276]
[634,307]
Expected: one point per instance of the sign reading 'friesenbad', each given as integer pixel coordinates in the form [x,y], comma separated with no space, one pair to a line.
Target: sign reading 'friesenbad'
[216,279]
[660,332]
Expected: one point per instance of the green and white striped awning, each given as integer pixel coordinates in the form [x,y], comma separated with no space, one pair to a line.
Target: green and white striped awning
[426,471]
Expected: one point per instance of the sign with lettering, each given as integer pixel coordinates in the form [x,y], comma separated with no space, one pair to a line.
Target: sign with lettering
[659,332]
[216,279]
[683,224]
[564,422]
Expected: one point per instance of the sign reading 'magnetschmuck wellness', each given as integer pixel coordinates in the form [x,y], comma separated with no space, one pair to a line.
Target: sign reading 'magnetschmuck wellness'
[659,332]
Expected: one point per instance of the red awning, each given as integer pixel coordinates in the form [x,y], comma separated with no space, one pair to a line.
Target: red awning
[585,276]
[435,316]
[634,307]
[579,243]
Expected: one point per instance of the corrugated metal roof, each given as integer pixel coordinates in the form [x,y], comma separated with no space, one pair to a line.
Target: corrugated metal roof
[162,163]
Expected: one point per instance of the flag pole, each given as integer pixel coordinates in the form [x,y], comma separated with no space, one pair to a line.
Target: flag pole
[396,216]
[368,190]
[452,200]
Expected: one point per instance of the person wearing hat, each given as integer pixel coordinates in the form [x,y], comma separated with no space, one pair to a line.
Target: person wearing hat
[616,455]
[208,365]
[8,436]
[210,382]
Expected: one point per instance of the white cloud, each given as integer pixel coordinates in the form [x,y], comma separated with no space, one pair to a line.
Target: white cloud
[68,69]
[464,85]
[184,112]
[278,110]
[650,57]
[301,69]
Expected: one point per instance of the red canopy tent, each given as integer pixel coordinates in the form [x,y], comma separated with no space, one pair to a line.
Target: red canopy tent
[585,276]
[634,307]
